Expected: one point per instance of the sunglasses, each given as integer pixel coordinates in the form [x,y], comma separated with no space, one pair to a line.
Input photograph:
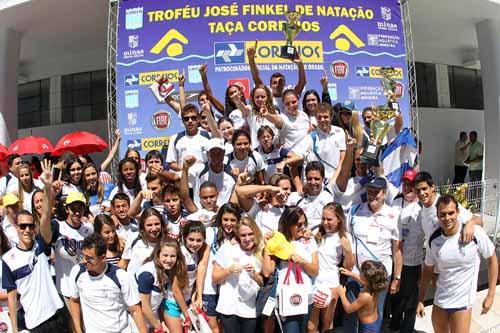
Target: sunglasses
[24,226]
[188,118]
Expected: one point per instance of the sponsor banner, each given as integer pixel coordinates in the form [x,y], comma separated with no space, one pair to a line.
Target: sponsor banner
[348,41]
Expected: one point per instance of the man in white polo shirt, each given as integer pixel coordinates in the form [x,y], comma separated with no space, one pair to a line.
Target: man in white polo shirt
[457,264]
[102,293]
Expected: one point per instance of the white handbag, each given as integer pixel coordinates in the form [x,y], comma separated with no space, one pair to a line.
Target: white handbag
[199,321]
[5,323]
[293,298]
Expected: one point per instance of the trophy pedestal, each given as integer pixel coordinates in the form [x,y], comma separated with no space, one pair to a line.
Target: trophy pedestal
[289,52]
[371,155]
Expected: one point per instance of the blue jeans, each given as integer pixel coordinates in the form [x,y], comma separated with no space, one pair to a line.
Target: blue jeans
[351,322]
[296,324]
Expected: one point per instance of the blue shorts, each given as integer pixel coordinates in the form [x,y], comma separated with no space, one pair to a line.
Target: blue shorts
[171,308]
[371,327]
[209,304]
[453,310]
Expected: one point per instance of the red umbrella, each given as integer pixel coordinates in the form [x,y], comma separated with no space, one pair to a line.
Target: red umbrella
[80,143]
[3,152]
[31,145]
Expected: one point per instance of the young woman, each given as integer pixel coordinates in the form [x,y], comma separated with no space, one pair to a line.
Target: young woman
[276,158]
[243,159]
[311,100]
[237,269]
[224,129]
[195,253]
[97,193]
[156,277]
[36,205]
[223,232]
[128,178]
[12,207]
[374,277]
[26,186]
[104,225]
[72,176]
[334,248]
[292,224]
[151,230]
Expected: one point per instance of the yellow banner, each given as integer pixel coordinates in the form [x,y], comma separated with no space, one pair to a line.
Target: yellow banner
[154,143]
[268,51]
[375,72]
[150,77]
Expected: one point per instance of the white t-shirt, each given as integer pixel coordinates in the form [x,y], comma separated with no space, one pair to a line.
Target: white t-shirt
[224,182]
[271,160]
[304,248]
[136,251]
[255,123]
[254,164]
[376,231]
[330,253]
[237,294]
[266,219]
[131,230]
[410,232]
[237,117]
[67,243]
[294,129]
[210,288]
[192,261]
[148,284]
[4,184]
[28,271]
[182,145]
[9,229]
[458,267]
[104,298]
[461,156]
[130,192]
[312,206]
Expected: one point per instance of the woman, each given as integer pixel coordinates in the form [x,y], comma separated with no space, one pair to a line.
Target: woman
[237,270]
[11,203]
[72,176]
[26,186]
[151,230]
[104,225]
[311,100]
[224,129]
[128,179]
[36,205]
[97,193]
[223,232]
[292,225]
[243,159]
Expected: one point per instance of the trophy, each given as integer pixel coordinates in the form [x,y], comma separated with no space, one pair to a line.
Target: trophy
[380,125]
[291,30]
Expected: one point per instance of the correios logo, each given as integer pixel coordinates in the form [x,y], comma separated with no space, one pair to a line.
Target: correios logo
[295,299]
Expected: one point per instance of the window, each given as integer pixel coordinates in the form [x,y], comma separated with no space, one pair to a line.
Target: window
[83,96]
[466,88]
[426,85]
[33,104]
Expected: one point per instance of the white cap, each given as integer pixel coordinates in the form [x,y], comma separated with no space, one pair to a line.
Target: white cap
[215,143]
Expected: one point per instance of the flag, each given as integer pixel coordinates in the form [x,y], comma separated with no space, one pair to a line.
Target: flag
[399,156]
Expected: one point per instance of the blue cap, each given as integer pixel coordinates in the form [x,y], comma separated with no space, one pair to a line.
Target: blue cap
[377,182]
[349,105]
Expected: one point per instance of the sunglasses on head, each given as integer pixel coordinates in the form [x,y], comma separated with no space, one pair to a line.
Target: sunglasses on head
[24,226]
[188,118]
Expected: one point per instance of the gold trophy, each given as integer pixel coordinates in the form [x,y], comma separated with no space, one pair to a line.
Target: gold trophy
[380,125]
[291,30]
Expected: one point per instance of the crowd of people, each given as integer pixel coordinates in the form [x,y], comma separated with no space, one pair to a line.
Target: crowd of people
[262,216]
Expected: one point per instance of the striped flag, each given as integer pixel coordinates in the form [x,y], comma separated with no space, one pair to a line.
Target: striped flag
[399,156]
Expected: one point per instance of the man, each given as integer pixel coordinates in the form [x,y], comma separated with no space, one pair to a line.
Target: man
[315,197]
[374,229]
[213,171]
[13,162]
[404,303]
[475,159]
[102,293]
[461,153]
[457,264]
[325,144]
[26,272]
[126,226]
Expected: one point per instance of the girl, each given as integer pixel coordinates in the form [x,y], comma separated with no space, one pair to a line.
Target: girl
[374,277]
[97,193]
[12,207]
[163,268]
[223,232]
[311,100]
[224,129]
[36,205]
[104,225]
[276,158]
[243,159]
[237,269]
[128,178]
[334,248]
[292,224]
[26,186]
[195,253]
[72,176]
[151,230]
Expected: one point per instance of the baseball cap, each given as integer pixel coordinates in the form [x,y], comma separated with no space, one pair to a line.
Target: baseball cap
[409,174]
[215,143]
[348,106]
[279,247]
[75,197]
[10,199]
[377,182]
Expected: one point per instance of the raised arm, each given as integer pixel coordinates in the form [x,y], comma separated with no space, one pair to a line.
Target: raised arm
[184,186]
[246,193]
[253,66]
[112,151]
[176,106]
[182,92]
[398,123]
[48,198]
[299,87]
[208,90]
[325,95]
[346,166]
[272,117]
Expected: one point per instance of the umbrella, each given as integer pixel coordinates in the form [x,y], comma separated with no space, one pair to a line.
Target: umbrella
[31,145]
[80,143]
[3,152]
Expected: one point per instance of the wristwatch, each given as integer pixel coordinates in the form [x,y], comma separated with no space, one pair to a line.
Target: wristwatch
[397,277]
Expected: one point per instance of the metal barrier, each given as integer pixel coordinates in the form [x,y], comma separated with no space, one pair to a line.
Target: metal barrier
[481,198]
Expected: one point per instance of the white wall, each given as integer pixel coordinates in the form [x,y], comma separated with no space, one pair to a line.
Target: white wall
[55,132]
[439,130]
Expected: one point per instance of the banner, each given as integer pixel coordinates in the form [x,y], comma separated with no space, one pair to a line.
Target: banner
[348,40]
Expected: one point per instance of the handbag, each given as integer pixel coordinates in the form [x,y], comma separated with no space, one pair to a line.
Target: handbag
[266,291]
[5,323]
[199,321]
[293,298]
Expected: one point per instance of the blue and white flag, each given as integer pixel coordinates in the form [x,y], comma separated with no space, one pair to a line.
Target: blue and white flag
[399,156]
